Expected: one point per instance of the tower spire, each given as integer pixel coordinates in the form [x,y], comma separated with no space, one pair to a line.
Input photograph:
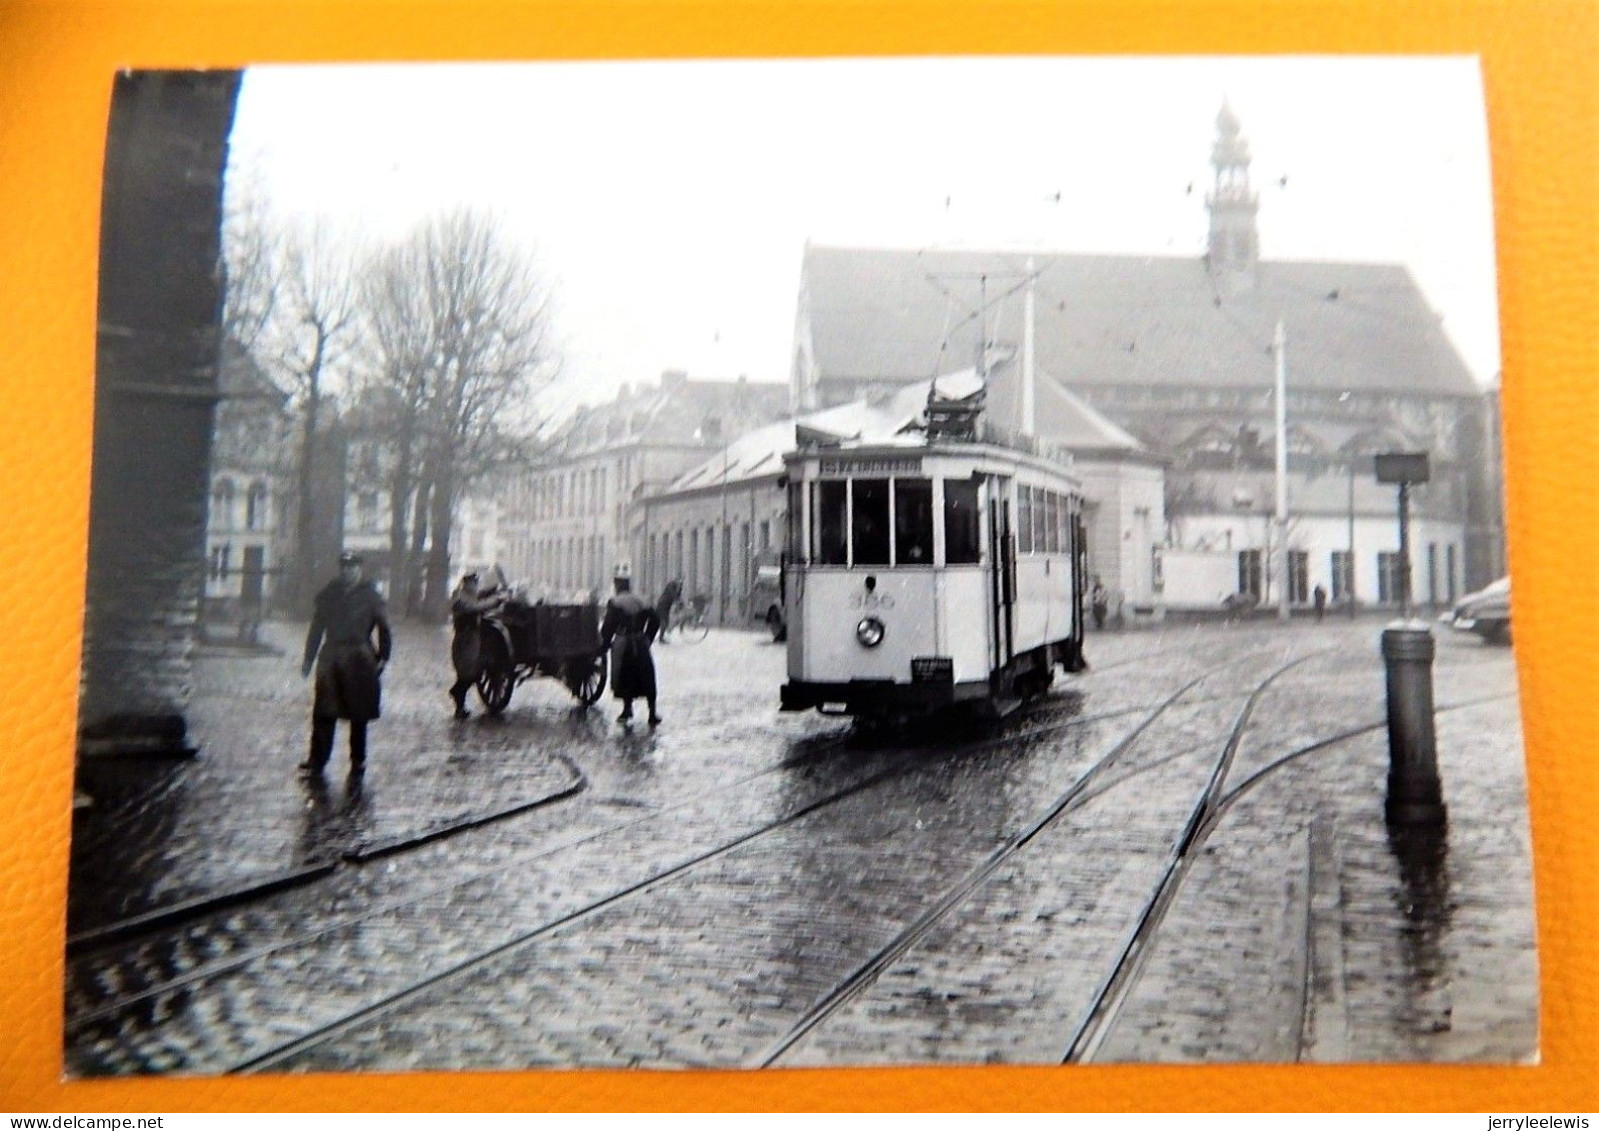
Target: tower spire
[1234,247]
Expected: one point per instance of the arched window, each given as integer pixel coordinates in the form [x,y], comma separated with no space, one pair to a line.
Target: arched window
[255,506]
[222,504]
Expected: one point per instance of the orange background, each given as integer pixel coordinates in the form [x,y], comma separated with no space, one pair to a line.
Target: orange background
[1542,79]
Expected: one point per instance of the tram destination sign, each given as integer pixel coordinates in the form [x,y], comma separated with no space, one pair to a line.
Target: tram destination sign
[836,468]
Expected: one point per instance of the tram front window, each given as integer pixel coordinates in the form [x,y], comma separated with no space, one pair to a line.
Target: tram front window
[962,545]
[871,522]
[829,532]
[913,521]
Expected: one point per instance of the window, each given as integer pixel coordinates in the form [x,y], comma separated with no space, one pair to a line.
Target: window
[962,544]
[1450,575]
[222,504]
[255,507]
[869,520]
[1432,573]
[830,539]
[913,521]
[766,535]
[1024,520]
[1046,499]
[366,511]
[796,523]
[1388,577]
[1342,579]
[1249,572]
[1298,577]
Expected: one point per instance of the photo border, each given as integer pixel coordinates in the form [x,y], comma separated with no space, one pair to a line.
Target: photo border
[1542,87]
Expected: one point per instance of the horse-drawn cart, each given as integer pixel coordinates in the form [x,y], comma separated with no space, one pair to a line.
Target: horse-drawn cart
[520,641]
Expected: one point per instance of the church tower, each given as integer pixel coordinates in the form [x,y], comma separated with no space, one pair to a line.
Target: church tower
[1234,247]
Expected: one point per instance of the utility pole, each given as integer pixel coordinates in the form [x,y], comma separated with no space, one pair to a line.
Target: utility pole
[1029,423]
[1280,349]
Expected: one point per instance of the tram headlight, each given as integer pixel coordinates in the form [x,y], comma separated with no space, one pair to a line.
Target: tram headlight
[869,632]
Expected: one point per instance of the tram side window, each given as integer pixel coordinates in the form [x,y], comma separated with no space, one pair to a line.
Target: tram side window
[962,545]
[796,526]
[1024,520]
[1052,524]
[827,525]
[871,522]
[913,521]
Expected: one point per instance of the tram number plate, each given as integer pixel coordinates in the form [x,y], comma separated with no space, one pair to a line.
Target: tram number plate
[932,669]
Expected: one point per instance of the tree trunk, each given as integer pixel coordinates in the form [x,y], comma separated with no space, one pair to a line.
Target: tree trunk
[399,498]
[438,559]
[413,558]
[304,581]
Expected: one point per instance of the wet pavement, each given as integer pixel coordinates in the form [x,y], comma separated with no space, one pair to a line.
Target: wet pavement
[743,888]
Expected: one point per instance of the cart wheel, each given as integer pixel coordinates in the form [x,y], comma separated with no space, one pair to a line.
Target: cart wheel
[494,687]
[497,680]
[586,679]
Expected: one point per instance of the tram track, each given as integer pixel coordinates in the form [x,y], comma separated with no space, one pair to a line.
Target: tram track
[1115,991]
[1078,792]
[193,910]
[905,759]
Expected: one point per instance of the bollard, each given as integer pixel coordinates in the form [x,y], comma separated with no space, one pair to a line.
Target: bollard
[1414,794]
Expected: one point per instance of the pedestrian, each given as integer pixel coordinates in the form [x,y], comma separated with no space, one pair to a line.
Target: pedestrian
[663,604]
[1099,600]
[349,668]
[629,628]
[467,605]
[1318,597]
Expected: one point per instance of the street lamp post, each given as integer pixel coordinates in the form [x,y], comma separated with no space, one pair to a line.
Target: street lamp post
[1280,350]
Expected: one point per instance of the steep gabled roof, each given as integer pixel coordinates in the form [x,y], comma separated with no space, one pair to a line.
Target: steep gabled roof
[878,314]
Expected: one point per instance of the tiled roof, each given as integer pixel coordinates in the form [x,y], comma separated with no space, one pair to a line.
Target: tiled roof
[676,412]
[1129,320]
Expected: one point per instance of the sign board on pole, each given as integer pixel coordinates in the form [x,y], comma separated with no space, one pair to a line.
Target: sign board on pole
[1402,467]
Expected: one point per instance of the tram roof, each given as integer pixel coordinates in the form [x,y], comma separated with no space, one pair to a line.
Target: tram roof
[886,425]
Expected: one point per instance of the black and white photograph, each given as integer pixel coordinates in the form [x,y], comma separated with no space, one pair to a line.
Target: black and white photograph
[774,564]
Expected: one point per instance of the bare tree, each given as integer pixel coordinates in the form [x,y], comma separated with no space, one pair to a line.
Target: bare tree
[313,314]
[252,243]
[458,330]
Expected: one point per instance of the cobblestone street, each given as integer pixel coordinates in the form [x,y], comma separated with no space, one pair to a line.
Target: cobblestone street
[743,888]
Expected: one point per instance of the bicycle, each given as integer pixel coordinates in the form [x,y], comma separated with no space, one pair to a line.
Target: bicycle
[688,622]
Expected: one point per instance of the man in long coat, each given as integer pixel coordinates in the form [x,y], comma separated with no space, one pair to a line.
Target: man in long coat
[628,630]
[467,606]
[670,594]
[348,665]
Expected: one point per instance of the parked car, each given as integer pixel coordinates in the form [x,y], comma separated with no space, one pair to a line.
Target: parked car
[1485,612]
[766,600]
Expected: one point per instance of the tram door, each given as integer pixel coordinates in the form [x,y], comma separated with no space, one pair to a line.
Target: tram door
[1079,578]
[1002,553]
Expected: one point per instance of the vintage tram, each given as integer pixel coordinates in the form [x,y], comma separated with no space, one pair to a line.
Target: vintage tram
[924,572]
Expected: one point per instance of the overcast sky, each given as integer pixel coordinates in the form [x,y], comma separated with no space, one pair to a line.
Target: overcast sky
[669,203]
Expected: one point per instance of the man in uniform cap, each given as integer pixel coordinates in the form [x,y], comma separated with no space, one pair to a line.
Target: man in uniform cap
[467,605]
[628,630]
[348,665]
